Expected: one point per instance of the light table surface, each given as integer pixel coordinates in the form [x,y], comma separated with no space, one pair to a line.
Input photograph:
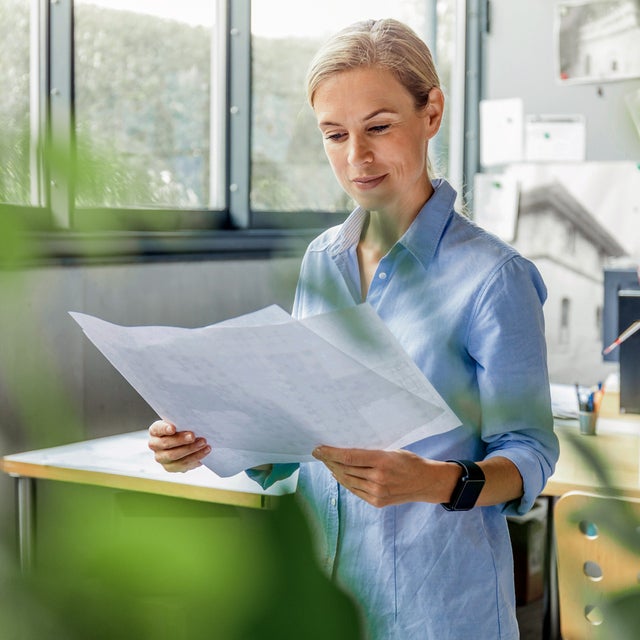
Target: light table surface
[125,462]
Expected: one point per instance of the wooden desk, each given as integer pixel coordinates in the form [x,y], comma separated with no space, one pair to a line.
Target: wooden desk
[616,448]
[125,550]
[124,462]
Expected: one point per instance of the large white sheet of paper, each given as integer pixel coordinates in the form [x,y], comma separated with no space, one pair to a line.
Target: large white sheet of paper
[265,388]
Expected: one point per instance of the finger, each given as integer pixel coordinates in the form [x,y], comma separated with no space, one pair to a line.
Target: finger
[180,439]
[348,472]
[162,428]
[347,457]
[187,463]
[366,492]
[355,484]
[371,492]
[166,456]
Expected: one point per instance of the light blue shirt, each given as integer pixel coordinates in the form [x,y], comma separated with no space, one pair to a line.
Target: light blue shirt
[468,310]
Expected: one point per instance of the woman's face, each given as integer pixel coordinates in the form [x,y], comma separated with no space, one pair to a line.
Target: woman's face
[376,140]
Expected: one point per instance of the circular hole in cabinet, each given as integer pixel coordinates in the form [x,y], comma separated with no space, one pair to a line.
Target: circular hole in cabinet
[593,615]
[589,529]
[592,570]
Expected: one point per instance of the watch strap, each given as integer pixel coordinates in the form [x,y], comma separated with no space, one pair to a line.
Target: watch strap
[468,488]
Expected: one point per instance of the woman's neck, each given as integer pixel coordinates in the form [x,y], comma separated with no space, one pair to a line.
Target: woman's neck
[384,228]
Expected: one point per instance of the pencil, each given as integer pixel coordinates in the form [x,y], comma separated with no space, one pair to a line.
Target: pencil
[627,333]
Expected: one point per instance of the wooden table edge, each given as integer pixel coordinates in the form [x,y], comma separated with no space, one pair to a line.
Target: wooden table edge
[145,485]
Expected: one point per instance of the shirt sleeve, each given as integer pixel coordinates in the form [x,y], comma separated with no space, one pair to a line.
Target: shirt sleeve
[507,341]
[268,477]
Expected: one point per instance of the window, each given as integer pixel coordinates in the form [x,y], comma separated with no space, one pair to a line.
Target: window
[289,171]
[154,115]
[570,239]
[143,87]
[15,104]
[599,312]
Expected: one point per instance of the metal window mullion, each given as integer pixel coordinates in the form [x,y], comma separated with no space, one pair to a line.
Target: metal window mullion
[38,99]
[60,139]
[239,93]
[475,24]
[219,108]
[457,109]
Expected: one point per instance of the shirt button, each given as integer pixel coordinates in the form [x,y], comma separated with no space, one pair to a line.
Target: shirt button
[382,275]
[333,502]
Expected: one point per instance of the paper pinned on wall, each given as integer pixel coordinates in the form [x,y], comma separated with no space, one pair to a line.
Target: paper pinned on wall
[495,204]
[555,138]
[501,131]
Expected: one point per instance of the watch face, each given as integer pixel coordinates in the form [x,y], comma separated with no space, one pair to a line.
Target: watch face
[466,492]
[468,495]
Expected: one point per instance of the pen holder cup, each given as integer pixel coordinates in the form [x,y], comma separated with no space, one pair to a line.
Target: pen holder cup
[588,421]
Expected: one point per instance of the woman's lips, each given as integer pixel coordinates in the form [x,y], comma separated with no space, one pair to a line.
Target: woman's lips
[368,182]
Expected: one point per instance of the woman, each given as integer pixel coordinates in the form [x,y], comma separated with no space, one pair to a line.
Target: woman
[418,536]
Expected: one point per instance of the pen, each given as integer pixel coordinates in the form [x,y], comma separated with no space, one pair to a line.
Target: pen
[627,333]
[583,401]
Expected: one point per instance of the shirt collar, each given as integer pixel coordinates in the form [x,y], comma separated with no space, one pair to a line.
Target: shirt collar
[349,232]
[421,238]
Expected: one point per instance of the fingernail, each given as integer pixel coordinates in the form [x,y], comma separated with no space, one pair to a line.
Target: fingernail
[189,437]
[317,452]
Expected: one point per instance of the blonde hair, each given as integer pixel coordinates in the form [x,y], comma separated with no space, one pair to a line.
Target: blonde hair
[387,44]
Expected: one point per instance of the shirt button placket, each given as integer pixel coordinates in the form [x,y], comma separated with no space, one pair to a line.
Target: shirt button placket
[378,284]
[333,527]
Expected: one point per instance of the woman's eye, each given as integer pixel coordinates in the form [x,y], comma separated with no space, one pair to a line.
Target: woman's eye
[335,137]
[379,128]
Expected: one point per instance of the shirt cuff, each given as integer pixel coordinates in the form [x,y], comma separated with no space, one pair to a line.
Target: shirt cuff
[533,480]
[268,477]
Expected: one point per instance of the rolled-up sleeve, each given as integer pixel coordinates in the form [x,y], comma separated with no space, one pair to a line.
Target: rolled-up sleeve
[507,341]
[268,477]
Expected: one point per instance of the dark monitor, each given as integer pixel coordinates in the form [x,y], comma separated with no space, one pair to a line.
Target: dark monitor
[616,279]
[629,351]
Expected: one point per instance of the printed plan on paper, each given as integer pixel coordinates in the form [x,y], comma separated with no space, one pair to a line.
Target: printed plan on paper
[265,388]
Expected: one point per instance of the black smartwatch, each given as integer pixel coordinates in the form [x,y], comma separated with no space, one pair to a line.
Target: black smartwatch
[466,492]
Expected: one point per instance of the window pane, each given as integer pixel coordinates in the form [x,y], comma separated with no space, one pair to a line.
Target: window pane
[143,108]
[14,105]
[289,169]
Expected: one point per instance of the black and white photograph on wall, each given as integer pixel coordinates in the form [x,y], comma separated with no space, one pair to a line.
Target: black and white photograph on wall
[571,220]
[597,40]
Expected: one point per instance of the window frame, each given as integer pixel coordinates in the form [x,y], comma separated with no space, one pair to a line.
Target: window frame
[63,232]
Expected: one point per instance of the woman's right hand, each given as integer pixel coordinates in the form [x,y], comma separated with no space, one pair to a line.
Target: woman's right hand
[176,451]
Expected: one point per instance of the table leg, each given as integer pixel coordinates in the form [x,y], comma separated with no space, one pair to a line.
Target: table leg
[551,619]
[25,494]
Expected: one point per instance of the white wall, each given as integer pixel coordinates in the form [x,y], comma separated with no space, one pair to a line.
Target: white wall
[519,61]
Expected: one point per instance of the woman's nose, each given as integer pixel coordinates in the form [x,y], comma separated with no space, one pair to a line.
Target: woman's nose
[359,152]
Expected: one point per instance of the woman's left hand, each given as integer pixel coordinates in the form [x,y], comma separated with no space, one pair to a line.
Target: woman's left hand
[383,478]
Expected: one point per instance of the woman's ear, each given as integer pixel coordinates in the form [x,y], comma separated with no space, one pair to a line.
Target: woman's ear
[434,111]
